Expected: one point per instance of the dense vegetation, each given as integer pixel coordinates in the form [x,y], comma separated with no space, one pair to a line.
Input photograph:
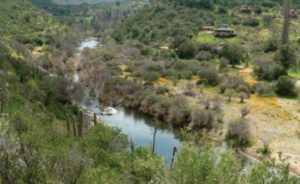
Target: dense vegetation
[46,138]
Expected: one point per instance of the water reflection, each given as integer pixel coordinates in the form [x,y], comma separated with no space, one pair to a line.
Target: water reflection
[139,127]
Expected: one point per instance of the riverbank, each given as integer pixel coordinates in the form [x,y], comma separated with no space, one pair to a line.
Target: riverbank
[139,127]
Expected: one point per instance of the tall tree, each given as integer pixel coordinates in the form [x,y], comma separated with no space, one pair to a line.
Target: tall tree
[286,25]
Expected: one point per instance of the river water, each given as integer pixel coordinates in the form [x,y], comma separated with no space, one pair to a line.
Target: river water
[139,127]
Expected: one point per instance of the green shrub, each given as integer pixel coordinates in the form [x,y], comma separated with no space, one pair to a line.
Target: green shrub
[186,50]
[251,22]
[238,134]
[203,119]
[209,76]
[233,53]
[271,45]
[264,89]
[268,70]
[285,86]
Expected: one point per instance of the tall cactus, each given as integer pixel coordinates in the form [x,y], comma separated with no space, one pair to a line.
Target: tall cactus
[80,124]
[75,130]
[95,119]
[68,123]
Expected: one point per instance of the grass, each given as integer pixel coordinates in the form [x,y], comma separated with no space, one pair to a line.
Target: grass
[294,74]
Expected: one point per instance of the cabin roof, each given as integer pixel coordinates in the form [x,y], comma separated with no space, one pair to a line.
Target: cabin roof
[227,29]
[209,27]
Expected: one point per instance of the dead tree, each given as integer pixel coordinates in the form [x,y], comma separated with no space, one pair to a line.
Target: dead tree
[173,156]
[154,139]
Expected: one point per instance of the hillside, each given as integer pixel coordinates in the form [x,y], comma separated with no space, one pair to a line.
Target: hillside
[153,59]
[77,2]
[207,75]
[21,18]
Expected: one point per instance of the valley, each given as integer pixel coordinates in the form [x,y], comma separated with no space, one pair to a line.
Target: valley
[202,90]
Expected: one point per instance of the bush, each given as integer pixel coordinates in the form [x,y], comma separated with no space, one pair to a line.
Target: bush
[268,70]
[203,119]
[186,50]
[286,87]
[271,45]
[251,22]
[204,56]
[264,89]
[162,90]
[238,134]
[258,10]
[233,53]
[286,56]
[151,76]
[209,76]
[236,83]
[179,112]
[222,10]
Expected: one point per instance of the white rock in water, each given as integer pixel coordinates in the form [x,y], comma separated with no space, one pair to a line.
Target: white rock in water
[109,111]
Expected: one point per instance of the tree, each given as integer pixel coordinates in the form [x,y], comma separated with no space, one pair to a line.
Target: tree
[286,56]
[229,93]
[233,53]
[286,25]
[203,119]
[186,50]
[238,134]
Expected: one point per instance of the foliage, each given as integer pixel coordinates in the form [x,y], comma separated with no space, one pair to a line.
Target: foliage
[264,89]
[238,134]
[233,53]
[285,87]
[205,165]
[286,56]
[268,70]
[251,22]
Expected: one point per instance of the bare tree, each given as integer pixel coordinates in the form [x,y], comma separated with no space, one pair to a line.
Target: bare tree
[242,96]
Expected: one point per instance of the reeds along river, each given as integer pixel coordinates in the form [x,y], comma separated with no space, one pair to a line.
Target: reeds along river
[139,127]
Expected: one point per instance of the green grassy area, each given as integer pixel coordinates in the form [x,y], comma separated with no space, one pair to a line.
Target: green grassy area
[294,74]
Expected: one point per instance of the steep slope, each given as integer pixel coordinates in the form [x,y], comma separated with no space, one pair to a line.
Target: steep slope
[20,17]
[76,2]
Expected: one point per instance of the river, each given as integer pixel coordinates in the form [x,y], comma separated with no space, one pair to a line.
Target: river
[137,126]
[140,127]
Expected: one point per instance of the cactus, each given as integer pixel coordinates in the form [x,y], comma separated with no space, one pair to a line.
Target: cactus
[68,123]
[75,130]
[131,145]
[80,124]
[95,119]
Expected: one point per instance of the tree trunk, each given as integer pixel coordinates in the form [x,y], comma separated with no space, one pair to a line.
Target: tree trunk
[286,24]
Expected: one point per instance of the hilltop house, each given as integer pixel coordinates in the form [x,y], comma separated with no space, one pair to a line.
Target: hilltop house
[247,8]
[224,32]
[208,29]
[293,13]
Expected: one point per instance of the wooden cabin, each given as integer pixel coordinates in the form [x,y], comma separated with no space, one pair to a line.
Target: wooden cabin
[293,13]
[247,8]
[208,29]
[224,32]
